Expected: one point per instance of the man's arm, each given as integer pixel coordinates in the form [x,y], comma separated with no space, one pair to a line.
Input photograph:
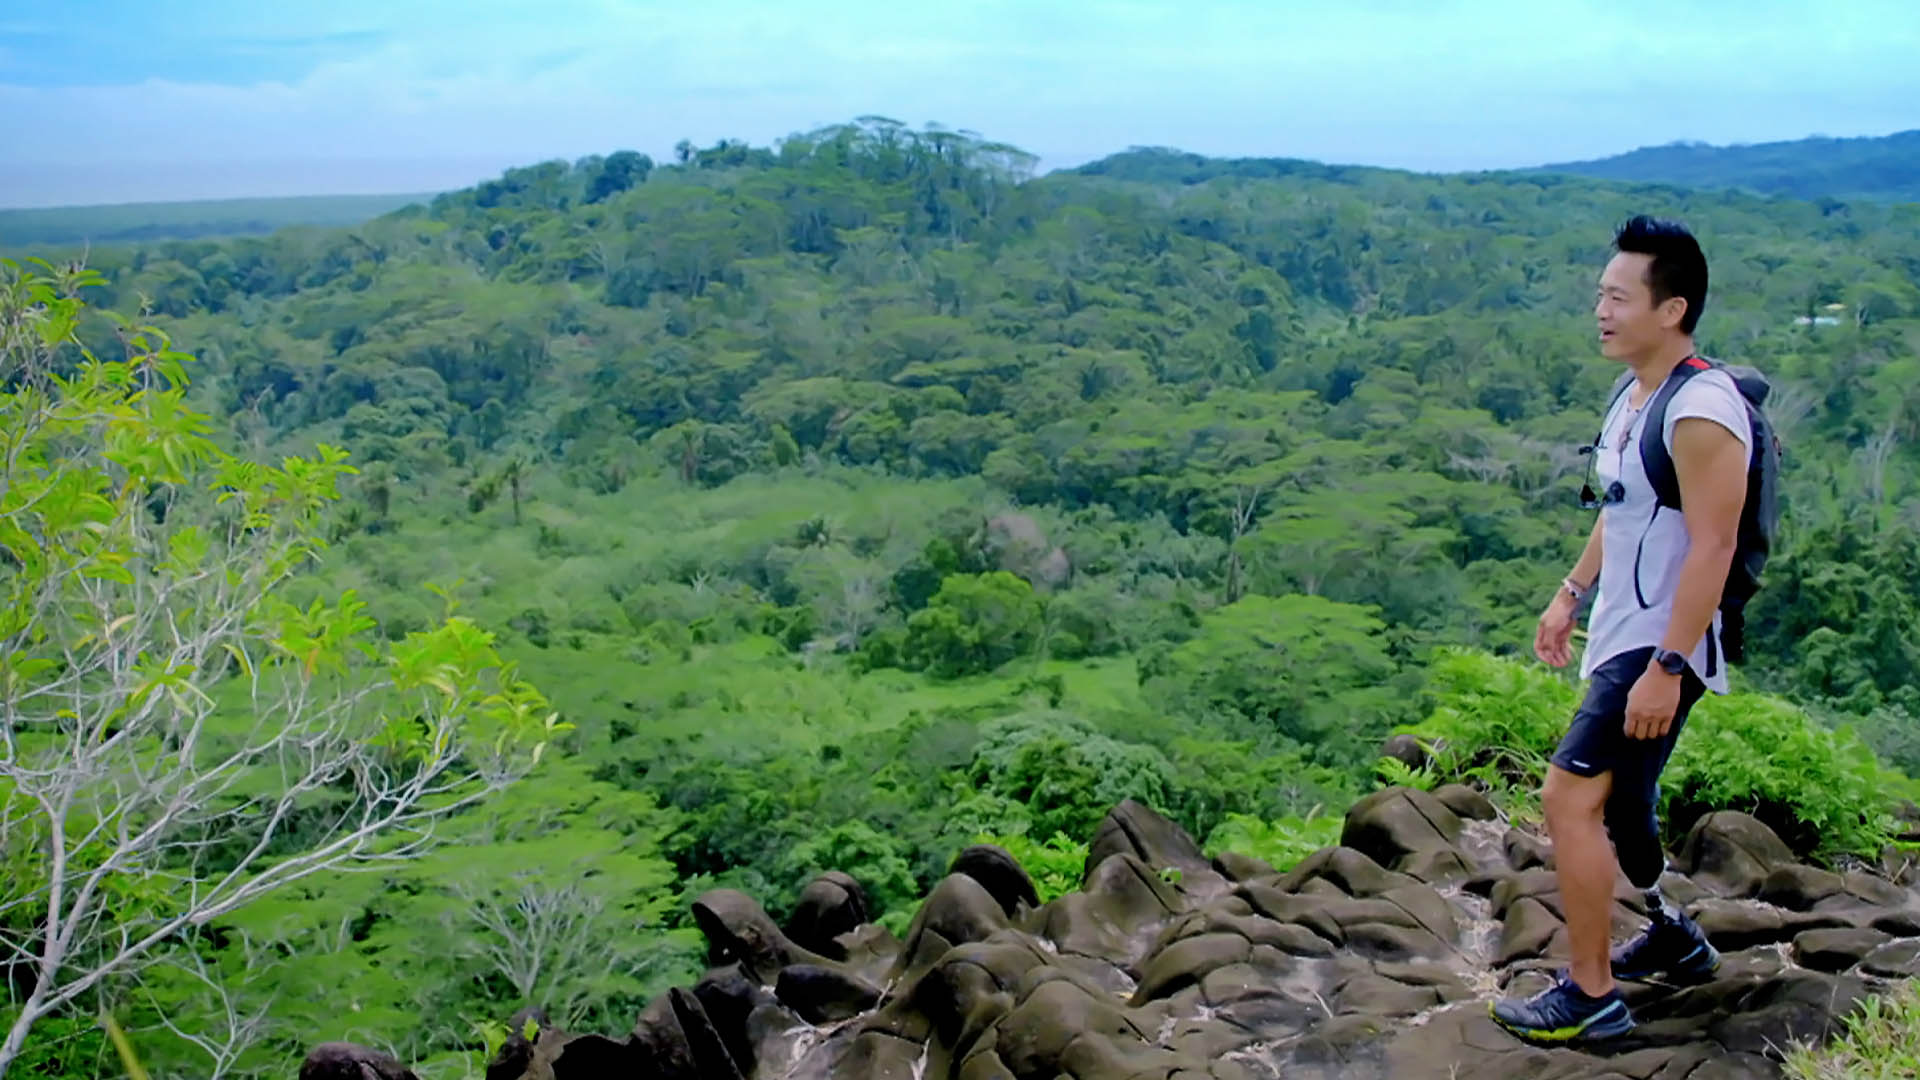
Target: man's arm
[1553,638]
[1712,467]
[1711,463]
[1586,572]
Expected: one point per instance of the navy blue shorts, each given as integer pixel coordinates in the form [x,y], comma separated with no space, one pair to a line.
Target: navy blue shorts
[1597,740]
[1597,743]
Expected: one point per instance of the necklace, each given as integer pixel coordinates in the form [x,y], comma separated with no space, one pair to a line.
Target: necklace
[1626,428]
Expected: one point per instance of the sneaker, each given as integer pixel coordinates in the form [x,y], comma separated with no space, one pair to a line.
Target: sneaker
[1564,1013]
[1675,948]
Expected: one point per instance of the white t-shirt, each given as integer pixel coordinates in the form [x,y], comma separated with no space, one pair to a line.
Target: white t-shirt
[1644,544]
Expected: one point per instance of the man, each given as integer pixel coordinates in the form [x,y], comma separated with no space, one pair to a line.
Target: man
[1653,639]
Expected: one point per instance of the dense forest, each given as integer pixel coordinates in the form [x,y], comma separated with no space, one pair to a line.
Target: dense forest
[1885,168]
[858,497]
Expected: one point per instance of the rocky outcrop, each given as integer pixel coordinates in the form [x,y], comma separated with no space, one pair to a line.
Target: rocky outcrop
[1376,958]
[345,1061]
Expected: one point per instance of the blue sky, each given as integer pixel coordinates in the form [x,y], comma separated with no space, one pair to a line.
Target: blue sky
[115,100]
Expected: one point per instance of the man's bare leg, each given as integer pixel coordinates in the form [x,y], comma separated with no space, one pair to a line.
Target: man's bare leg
[1586,868]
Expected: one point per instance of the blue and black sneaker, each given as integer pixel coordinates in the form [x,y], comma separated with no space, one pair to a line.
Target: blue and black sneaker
[1563,1013]
[1673,946]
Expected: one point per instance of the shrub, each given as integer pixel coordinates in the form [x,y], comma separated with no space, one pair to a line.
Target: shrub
[877,861]
[1496,721]
[1054,866]
[1065,773]
[975,623]
[1280,844]
[1821,789]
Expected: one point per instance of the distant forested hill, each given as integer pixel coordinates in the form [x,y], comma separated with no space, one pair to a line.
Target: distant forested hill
[125,223]
[1262,364]
[1884,168]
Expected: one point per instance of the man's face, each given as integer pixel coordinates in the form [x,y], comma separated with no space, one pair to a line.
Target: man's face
[1630,323]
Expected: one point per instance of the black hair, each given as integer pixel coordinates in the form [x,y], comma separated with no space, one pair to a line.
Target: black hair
[1678,268]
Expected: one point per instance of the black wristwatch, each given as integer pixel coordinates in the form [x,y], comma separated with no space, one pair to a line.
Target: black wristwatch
[1671,662]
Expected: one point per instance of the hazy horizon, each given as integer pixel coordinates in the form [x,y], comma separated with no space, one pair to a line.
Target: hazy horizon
[221,99]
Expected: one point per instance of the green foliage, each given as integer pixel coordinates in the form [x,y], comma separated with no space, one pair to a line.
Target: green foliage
[1396,773]
[1280,844]
[1055,865]
[554,893]
[1064,772]
[975,623]
[1881,1042]
[1214,778]
[877,861]
[64,1047]
[1837,613]
[1493,721]
[1894,735]
[1821,789]
[1311,670]
[156,673]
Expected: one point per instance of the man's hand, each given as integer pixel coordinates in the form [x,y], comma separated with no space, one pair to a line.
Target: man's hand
[1652,704]
[1553,639]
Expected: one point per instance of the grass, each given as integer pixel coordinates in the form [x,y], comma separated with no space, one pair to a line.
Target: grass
[1882,1042]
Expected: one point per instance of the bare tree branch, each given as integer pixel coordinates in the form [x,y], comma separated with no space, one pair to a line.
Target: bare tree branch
[233,1030]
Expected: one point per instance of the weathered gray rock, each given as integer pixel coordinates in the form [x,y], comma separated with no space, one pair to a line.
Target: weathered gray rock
[1134,830]
[832,904]
[822,995]
[1731,854]
[1835,950]
[1002,876]
[589,1057]
[1528,851]
[959,911]
[1372,959]
[1469,804]
[1799,888]
[1895,959]
[1407,750]
[1738,924]
[739,931]
[1236,867]
[1390,825]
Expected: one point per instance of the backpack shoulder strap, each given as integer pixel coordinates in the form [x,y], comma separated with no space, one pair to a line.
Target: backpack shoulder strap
[1654,455]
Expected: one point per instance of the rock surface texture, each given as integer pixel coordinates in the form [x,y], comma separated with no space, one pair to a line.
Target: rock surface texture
[1376,958]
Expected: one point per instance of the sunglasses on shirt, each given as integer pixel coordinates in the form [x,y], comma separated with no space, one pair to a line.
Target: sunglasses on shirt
[1616,492]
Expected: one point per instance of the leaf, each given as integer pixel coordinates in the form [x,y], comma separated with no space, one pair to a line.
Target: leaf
[57,327]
